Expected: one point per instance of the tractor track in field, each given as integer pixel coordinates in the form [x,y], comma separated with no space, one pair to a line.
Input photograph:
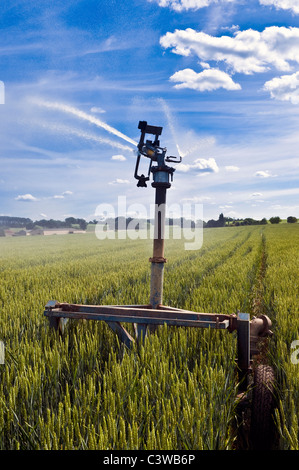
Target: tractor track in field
[258,306]
[257,303]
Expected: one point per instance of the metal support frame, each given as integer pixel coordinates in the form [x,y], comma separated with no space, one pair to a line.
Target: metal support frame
[148,317]
[142,316]
[145,317]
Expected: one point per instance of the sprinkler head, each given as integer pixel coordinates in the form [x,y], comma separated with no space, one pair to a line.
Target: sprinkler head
[152,150]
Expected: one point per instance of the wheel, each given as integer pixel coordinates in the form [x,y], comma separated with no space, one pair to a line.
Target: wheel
[262,427]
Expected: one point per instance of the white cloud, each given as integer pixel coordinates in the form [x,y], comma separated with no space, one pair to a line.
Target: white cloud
[120,181]
[232,168]
[206,165]
[201,165]
[120,158]
[233,28]
[292,5]
[181,5]
[26,198]
[284,88]
[183,167]
[97,110]
[246,52]
[208,80]
[226,206]
[196,199]
[264,174]
[61,196]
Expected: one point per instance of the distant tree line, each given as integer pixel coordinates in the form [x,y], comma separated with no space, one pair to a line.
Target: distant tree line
[14,222]
[121,223]
[224,221]
[277,220]
[125,222]
[221,222]
[28,224]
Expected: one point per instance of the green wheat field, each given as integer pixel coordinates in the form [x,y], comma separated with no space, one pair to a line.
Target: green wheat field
[177,390]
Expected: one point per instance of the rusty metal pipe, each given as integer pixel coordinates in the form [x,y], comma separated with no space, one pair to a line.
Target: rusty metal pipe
[158,260]
[156,292]
[260,326]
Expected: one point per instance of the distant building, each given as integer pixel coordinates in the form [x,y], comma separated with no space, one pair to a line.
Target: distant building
[9,233]
[36,231]
[21,233]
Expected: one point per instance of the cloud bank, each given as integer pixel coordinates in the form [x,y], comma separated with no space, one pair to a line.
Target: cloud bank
[292,5]
[183,5]
[246,52]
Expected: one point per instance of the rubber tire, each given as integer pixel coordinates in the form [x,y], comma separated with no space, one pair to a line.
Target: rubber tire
[262,427]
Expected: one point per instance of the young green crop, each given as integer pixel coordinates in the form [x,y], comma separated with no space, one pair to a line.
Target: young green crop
[281,299]
[178,389]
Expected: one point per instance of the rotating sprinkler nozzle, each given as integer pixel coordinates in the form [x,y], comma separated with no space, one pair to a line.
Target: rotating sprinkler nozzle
[152,150]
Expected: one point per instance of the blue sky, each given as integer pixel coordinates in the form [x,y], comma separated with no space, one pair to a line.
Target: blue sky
[220,76]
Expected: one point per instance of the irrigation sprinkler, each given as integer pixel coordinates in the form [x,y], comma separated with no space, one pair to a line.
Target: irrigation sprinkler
[146,318]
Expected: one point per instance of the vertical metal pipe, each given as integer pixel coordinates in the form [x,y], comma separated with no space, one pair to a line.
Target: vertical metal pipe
[156,292]
[243,344]
[158,260]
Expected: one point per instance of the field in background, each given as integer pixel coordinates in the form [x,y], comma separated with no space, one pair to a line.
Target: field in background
[178,390]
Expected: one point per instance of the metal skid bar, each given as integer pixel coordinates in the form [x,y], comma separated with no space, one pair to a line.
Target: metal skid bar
[141,316]
[138,314]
